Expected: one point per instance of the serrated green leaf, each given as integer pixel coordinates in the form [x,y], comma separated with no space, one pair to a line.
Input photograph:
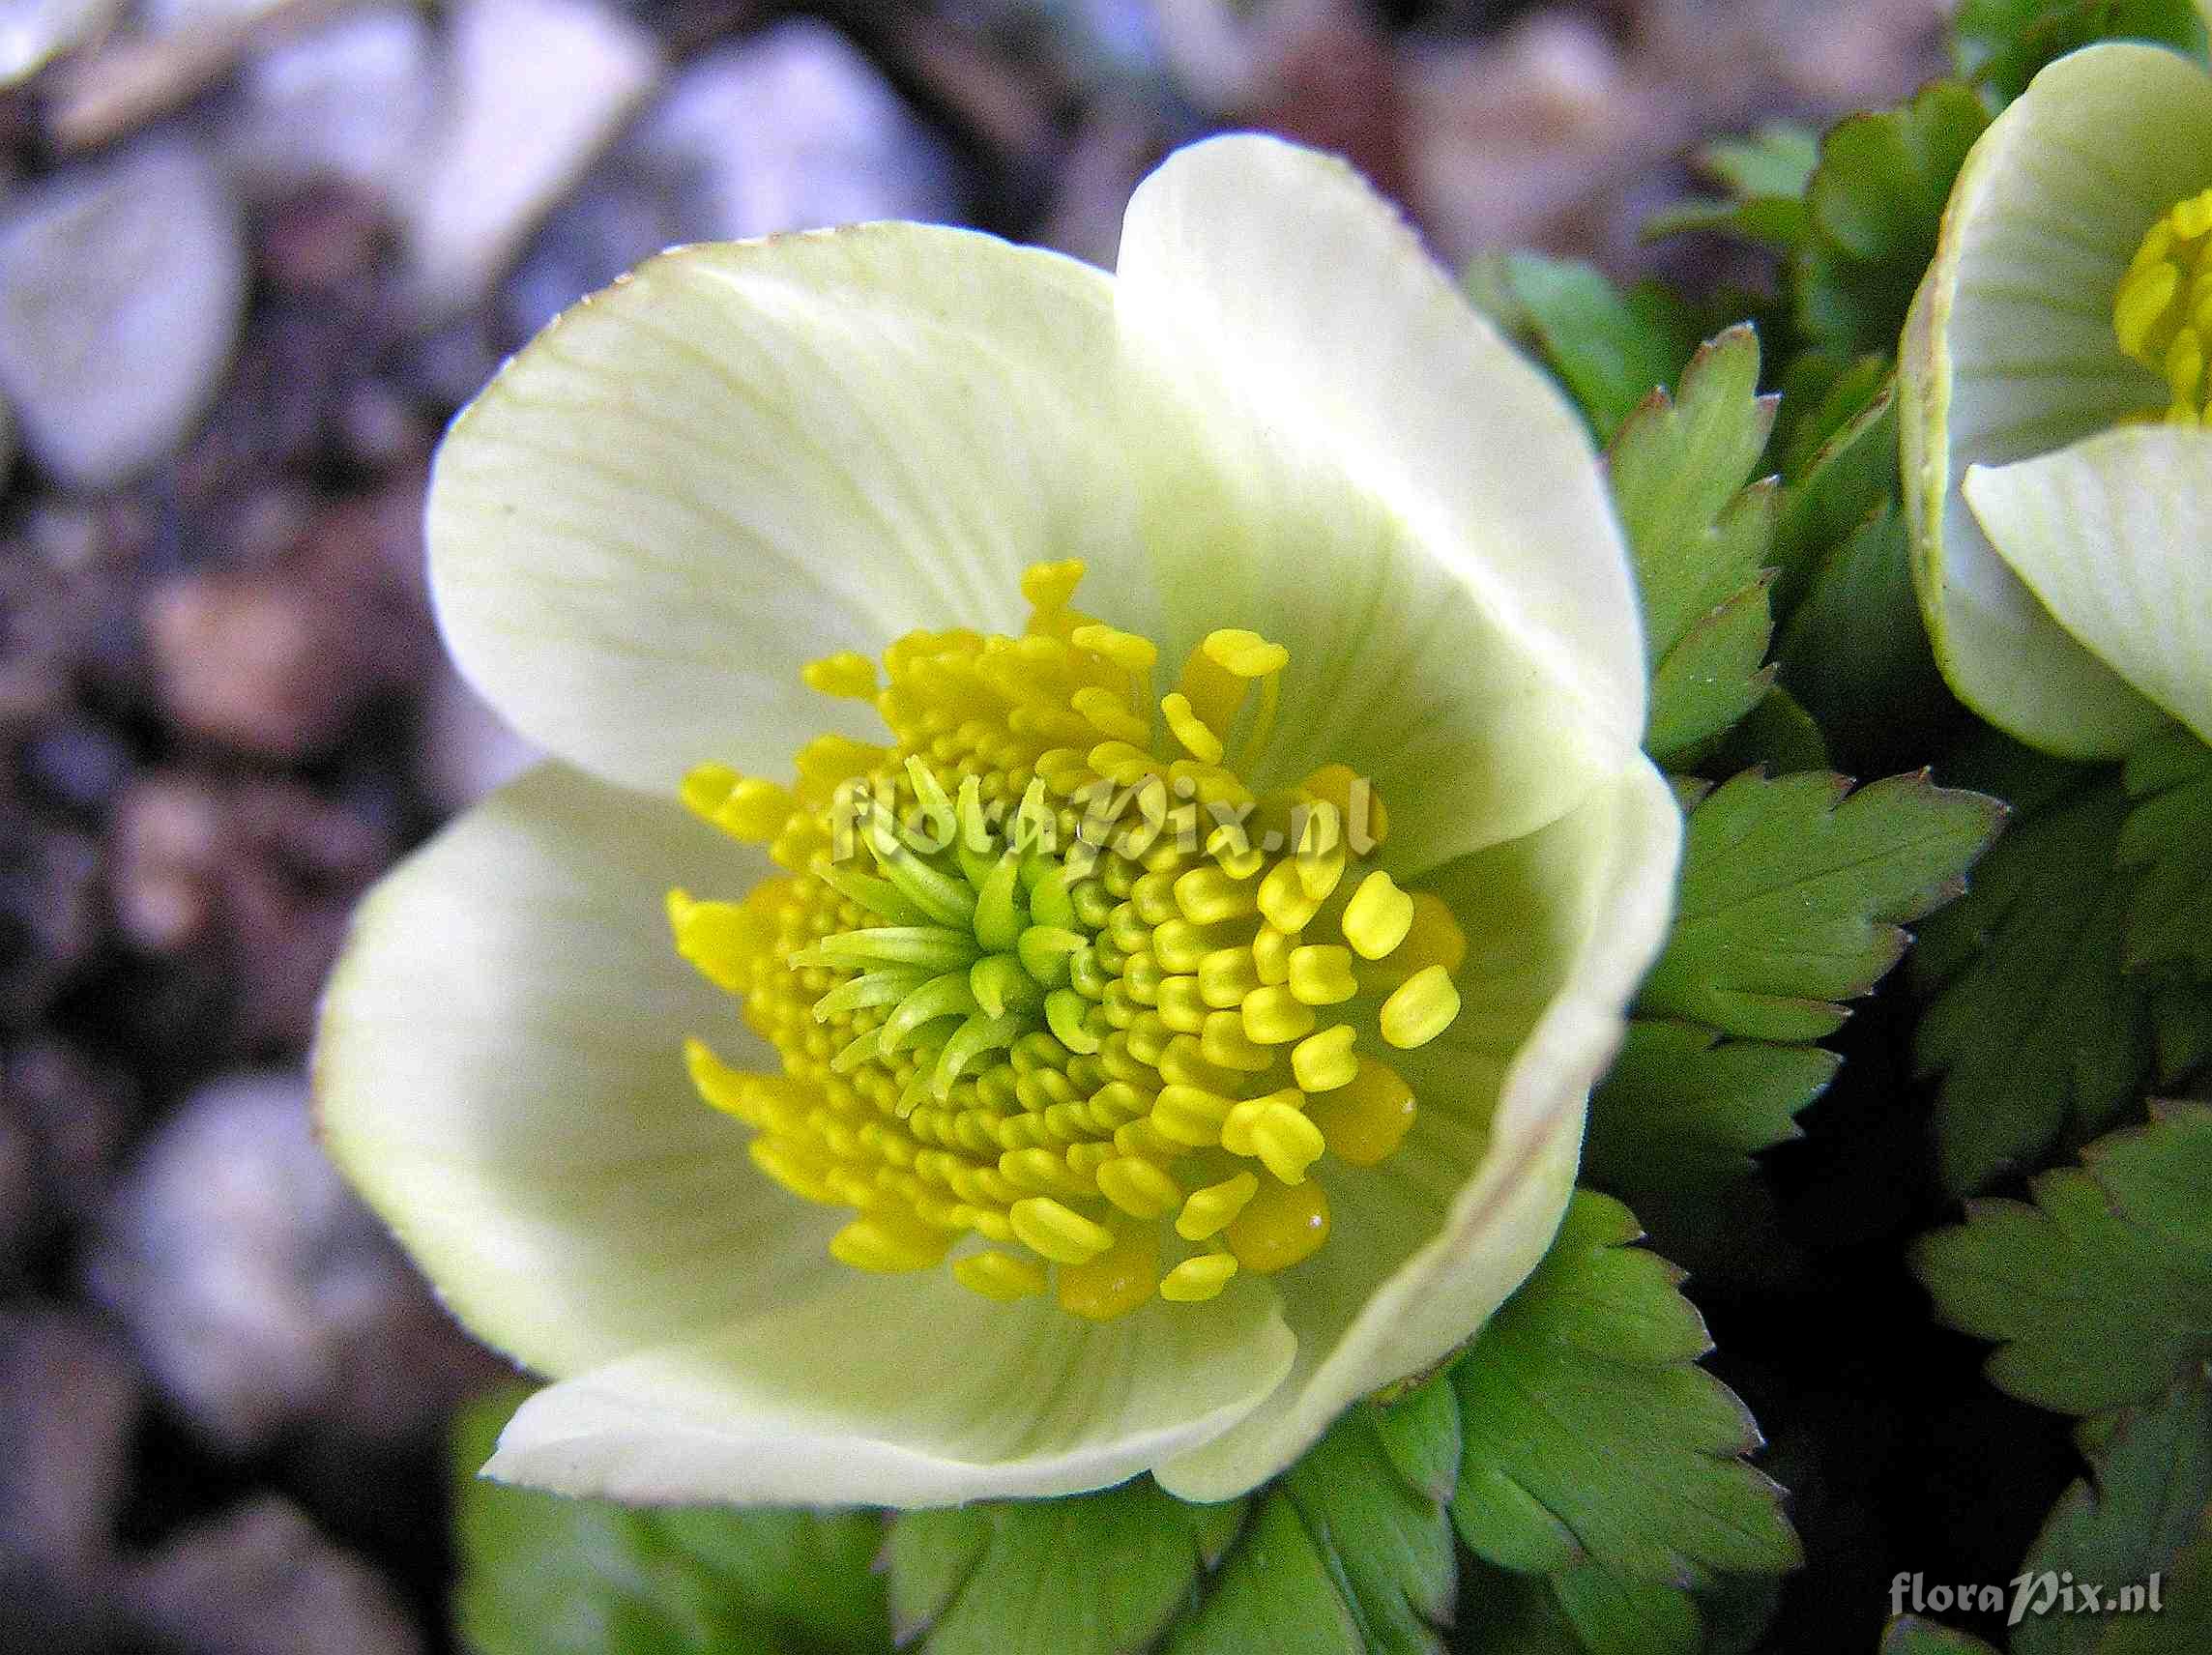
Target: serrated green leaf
[1855,652]
[930,1556]
[2002,43]
[1793,893]
[1910,1635]
[1777,223]
[2159,1178]
[2183,1622]
[1876,199]
[1778,735]
[2093,1311]
[1583,1610]
[2181,1029]
[1612,1616]
[1713,678]
[2144,1503]
[1275,1591]
[1099,1574]
[1764,175]
[2169,837]
[1343,1554]
[2040,1035]
[1420,1433]
[1776,159]
[1679,468]
[1349,1551]
[1608,348]
[1591,1436]
[1840,469]
[1683,1110]
[541,1574]
[1820,394]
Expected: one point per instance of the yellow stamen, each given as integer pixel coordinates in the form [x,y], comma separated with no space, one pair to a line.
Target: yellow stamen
[888,1241]
[847,673]
[1139,1187]
[1211,1209]
[1194,1281]
[1420,1008]
[1285,1224]
[1377,918]
[1116,1281]
[1059,1233]
[1365,1120]
[1030,982]
[2161,315]
[1001,1276]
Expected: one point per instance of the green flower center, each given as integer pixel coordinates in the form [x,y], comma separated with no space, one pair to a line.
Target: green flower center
[1055,992]
[2162,312]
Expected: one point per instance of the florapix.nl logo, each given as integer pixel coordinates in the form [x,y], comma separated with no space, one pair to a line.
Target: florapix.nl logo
[2043,1592]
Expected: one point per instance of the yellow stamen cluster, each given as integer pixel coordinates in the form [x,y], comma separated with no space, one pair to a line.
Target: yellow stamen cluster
[1053,990]
[2161,312]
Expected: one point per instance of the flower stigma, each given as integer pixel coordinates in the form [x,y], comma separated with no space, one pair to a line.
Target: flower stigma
[2162,312]
[1056,993]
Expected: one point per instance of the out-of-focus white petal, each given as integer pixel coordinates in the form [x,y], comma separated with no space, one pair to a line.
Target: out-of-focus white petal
[1426,1246]
[2113,535]
[500,1071]
[1390,490]
[905,1390]
[2009,354]
[746,457]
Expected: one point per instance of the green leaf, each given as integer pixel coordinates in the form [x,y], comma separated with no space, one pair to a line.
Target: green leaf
[1792,892]
[1837,476]
[1420,1431]
[2002,43]
[1854,652]
[1349,1551]
[2169,837]
[1610,349]
[1777,735]
[2100,1291]
[1775,222]
[1910,1635]
[1679,467]
[541,1574]
[1777,160]
[1713,678]
[2183,1624]
[1087,1575]
[1591,1436]
[2159,1178]
[1683,1109]
[1581,1610]
[2144,1504]
[1764,175]
[1876,200]
[2040,1035]
[2181,1028]
[1345,1553]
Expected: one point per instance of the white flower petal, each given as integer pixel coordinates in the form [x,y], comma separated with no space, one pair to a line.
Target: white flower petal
[2114,535]
[2009,353]
[1389,490]
[498,1070]
[908,1390]
[746,457]
[1425,1247]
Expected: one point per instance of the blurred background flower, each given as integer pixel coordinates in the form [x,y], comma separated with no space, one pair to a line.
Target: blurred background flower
[254,253]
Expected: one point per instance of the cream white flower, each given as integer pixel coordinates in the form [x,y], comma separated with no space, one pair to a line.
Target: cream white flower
[1281,448]
[2058,469]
